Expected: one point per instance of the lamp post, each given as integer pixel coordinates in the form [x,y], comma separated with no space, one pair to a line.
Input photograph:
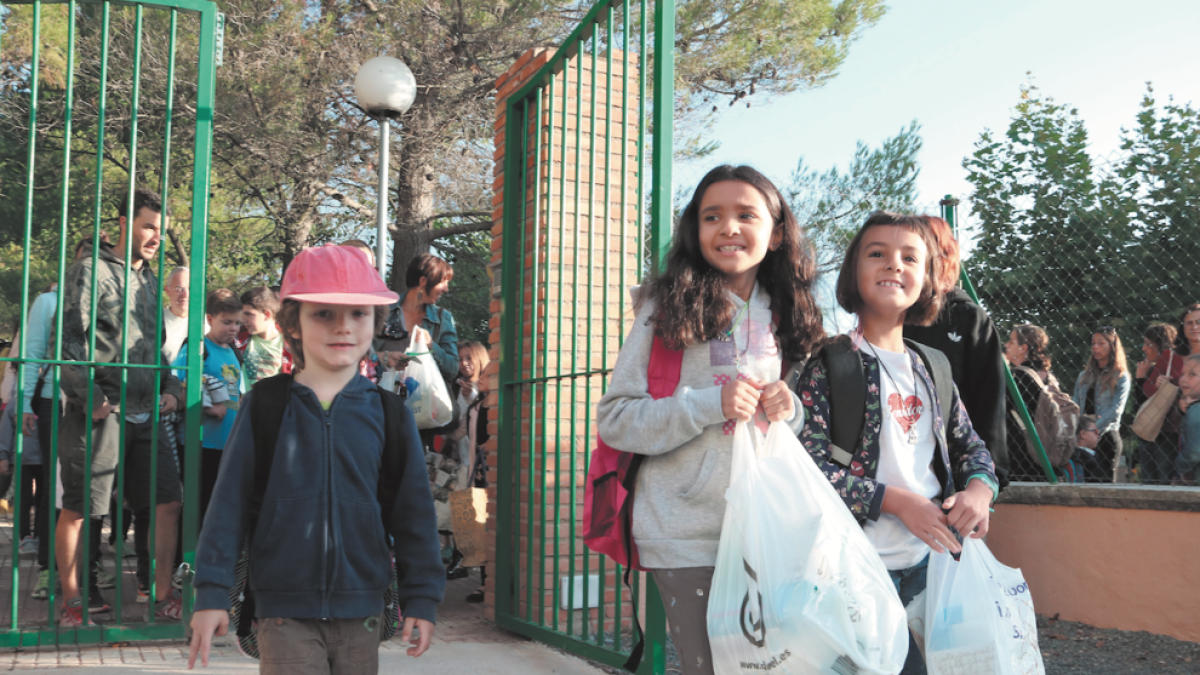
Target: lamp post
[385,88]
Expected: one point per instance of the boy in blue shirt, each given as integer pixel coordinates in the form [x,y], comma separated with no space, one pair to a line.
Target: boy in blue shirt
[222,383]
[320,559]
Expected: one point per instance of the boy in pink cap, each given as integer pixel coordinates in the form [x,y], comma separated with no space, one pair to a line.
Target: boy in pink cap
[319,553]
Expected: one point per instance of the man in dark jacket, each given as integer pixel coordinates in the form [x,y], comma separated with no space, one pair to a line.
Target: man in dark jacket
[100,387]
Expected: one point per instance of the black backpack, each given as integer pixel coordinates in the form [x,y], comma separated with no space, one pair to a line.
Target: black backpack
[848,393]
[267,408]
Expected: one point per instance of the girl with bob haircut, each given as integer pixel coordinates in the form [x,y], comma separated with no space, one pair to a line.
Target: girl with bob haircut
[736,297]
[905,480]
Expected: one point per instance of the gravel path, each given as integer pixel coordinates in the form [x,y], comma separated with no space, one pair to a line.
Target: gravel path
[1070,648]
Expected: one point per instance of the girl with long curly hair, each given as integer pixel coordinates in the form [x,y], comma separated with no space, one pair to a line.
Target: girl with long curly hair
[736,296]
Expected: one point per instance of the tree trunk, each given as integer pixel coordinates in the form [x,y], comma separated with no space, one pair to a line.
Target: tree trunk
[299,220]
[414,203]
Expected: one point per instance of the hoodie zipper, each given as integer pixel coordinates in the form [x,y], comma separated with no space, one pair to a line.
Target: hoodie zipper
[326,586]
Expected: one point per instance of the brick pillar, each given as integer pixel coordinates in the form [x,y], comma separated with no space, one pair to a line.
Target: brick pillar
[612,266]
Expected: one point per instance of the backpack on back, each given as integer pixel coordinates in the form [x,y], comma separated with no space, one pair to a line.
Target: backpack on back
[608,491]
[848,393]
[1055,418]
[612,474]
[267,408]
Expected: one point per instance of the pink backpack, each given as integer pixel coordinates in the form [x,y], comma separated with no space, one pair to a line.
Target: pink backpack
[612,474]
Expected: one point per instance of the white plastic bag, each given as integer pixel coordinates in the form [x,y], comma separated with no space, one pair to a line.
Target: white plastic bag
[979,617]
[797,587]
[427,397]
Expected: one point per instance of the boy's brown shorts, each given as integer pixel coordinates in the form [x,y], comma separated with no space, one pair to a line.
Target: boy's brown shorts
[317,646]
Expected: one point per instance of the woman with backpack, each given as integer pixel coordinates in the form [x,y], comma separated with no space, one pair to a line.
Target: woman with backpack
[1028,354]
[1102,389]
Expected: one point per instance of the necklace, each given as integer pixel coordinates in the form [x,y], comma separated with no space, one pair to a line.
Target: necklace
[737,358]
[912,430]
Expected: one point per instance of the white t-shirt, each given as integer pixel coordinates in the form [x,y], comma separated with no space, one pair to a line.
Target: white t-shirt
[906,406]
[176,328]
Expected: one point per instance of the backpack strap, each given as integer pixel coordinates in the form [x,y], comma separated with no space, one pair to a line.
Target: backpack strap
[391,471]
[662,376]
[267,407]
[939,370]
[847,399]
[662,373]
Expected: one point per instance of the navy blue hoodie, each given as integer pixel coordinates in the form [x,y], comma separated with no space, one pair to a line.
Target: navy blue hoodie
[319,550]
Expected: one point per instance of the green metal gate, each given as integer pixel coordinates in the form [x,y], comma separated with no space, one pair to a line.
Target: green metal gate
[577,233]
[106,50]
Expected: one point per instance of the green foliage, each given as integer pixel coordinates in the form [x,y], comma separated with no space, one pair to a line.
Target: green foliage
[469,298]
[293,162]
[831,206]
[728,51]
[1072,244]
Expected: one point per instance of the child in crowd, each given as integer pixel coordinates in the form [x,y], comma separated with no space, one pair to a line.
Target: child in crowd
[222,383]
[262,346]
[1187,465]
[904,470]
[736,297]
[319,556]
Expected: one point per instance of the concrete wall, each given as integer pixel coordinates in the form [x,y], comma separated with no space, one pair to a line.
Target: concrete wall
[1114,557]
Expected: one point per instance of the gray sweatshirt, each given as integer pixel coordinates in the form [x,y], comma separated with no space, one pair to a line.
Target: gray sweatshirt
[679,500]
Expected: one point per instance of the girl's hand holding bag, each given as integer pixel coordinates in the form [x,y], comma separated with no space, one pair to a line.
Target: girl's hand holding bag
[797,589]
[1149,420]
[979,616]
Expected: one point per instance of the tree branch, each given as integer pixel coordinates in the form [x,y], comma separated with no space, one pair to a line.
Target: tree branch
[465,228]
[453,214]
[181,254]
[345,199]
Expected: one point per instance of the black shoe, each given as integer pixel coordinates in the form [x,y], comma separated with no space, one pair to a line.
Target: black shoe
[455,569]
[475,596]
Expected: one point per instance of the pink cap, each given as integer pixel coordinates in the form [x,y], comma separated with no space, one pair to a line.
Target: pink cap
[335,275]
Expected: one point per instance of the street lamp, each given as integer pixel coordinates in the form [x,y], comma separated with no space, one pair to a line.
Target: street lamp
[385,88]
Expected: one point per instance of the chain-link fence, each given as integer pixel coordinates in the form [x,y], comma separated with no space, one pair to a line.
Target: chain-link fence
[1097,253]
[1104,262]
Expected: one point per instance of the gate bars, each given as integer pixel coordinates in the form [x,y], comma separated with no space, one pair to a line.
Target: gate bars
[23,631]
[576,175]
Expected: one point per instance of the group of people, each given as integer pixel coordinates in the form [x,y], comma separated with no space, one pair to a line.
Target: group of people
[248,339]
[330,510]
[922,464]
[1102,391]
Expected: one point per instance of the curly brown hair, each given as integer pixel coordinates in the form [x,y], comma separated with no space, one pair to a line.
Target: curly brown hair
[697,293]
[1038,342]
[1161,335]
[289,324]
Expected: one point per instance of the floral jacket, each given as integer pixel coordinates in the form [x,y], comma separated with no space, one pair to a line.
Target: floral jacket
[857,486]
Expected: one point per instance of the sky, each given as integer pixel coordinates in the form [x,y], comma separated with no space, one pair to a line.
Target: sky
[957,67]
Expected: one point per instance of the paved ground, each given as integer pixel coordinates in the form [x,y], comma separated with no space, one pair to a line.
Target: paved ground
[465,642]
